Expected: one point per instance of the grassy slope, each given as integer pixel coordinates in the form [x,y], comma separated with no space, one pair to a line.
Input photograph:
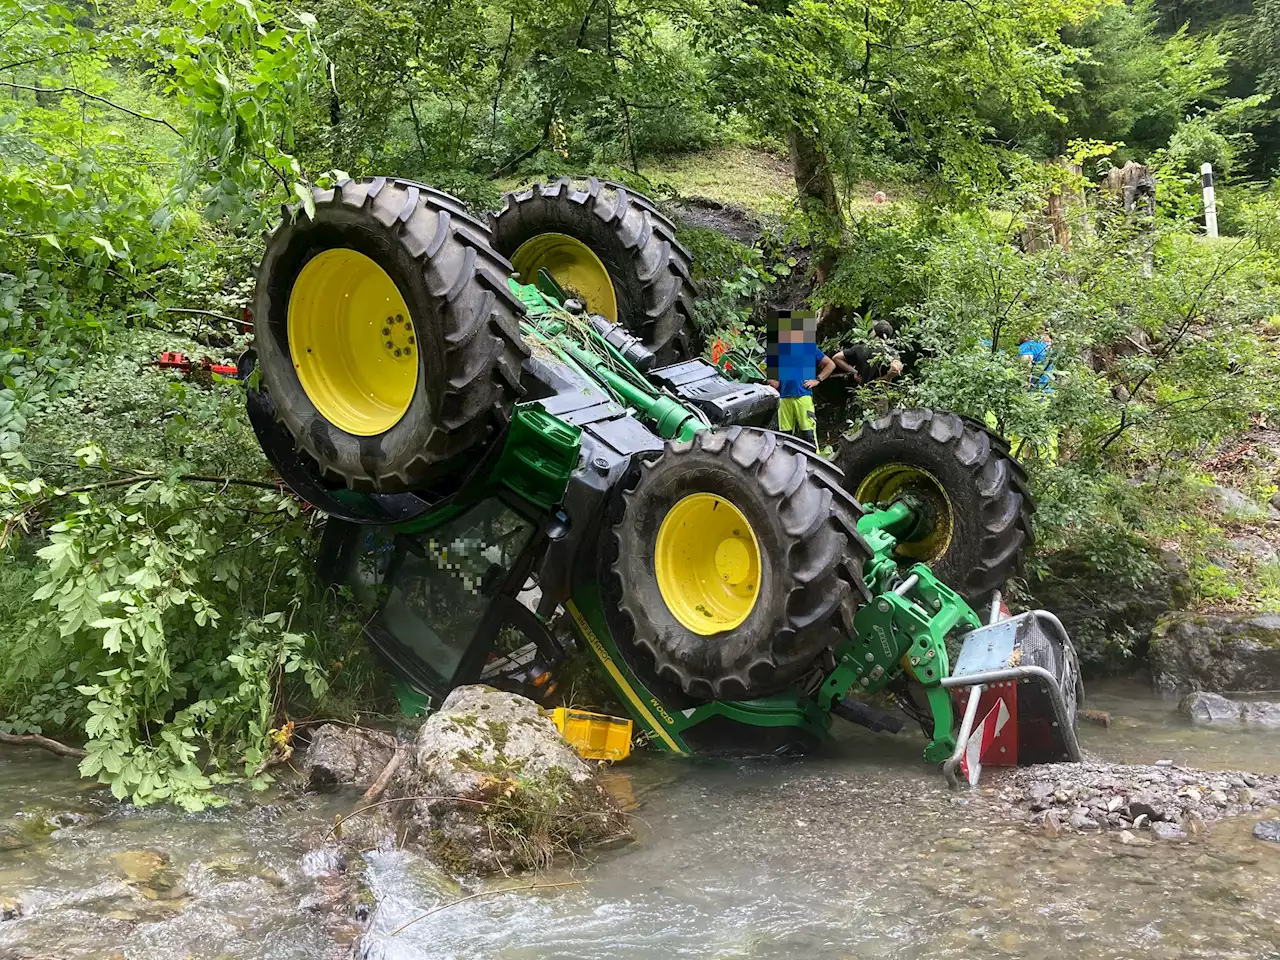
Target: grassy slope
[742,176]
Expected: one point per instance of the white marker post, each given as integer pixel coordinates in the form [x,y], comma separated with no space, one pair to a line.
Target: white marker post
[1210,207]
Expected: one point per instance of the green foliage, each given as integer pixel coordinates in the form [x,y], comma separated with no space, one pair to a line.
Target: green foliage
[1131,85]
[733,280]
[151,629]
[1196,142]
[1148,370]
[881,270]
[242,72]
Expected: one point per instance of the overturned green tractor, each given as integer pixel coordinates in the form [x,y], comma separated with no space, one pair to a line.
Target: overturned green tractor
[518,450]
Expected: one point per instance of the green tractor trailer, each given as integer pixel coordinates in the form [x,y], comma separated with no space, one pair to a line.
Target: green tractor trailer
[517,451]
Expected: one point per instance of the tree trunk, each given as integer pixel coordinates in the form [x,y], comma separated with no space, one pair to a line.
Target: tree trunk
[816,187]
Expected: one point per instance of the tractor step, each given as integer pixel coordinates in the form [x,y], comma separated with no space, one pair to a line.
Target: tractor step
[1021,676]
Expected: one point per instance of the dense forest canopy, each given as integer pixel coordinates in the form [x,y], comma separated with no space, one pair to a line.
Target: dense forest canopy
[156,595]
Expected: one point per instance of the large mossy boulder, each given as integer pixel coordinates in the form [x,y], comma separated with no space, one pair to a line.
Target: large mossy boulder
[495,787]
[1216,652]
[1110,618]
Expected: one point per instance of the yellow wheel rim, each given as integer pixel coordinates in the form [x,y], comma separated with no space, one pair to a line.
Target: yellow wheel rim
[888,481]
[707,562]
[574,266]
[352,342]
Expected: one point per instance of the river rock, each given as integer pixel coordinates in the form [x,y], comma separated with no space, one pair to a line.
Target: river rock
[1216,652]
[1099,609]
[343,754]
[1201,707]
[1167,831]
[10,909]
[1136,797]
[506,790]
[1268,830]
[1236,504]
[1261,713]
[140,866]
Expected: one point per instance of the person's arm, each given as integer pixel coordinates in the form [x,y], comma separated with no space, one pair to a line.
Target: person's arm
[775,384]
[825,366]
[844,364]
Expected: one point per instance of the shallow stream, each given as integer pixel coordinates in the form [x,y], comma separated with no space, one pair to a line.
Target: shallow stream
[861,852]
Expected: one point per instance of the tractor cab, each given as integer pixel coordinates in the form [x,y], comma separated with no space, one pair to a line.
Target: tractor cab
[447,606]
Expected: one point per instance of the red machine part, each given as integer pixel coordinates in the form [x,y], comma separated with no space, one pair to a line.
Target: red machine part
[180,361]
[994,741]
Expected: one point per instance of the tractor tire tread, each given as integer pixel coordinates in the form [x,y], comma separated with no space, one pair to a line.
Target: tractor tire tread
[816,571]
[661,309]
[476,320]
[998,500]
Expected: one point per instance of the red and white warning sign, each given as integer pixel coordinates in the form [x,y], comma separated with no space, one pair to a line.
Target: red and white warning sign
[983,739]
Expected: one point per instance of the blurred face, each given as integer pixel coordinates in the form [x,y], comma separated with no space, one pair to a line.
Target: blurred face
[797,328]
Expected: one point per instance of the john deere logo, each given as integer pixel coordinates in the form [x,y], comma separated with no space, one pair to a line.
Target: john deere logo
[886,644]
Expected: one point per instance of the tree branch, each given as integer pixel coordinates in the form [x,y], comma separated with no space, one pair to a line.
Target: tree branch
[44,743]
[387,773]
[148,477]
[7,30]
[209,313]
[417,128]
[502,70]
[248,325]
[93,96]
[22,63]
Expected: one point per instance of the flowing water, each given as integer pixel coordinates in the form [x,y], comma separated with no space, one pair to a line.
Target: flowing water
[861,852]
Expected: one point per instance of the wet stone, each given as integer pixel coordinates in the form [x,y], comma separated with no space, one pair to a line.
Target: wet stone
[10,840]
[1167,831]
[1200,707]
[140,866]
[323,862]
[1268,830]
[1083,823]
[1094,795]
[10,909]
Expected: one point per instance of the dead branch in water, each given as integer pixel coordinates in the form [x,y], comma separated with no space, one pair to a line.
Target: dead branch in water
[387,773]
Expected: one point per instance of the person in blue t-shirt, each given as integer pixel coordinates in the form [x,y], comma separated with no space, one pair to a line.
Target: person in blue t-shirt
[796,366]
[1038,353]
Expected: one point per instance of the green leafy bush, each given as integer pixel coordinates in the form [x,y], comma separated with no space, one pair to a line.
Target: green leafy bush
[167,617]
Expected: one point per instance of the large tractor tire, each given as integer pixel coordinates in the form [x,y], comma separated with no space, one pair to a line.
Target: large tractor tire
[387,336]
[975,491]
[608,247]
[735,564]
